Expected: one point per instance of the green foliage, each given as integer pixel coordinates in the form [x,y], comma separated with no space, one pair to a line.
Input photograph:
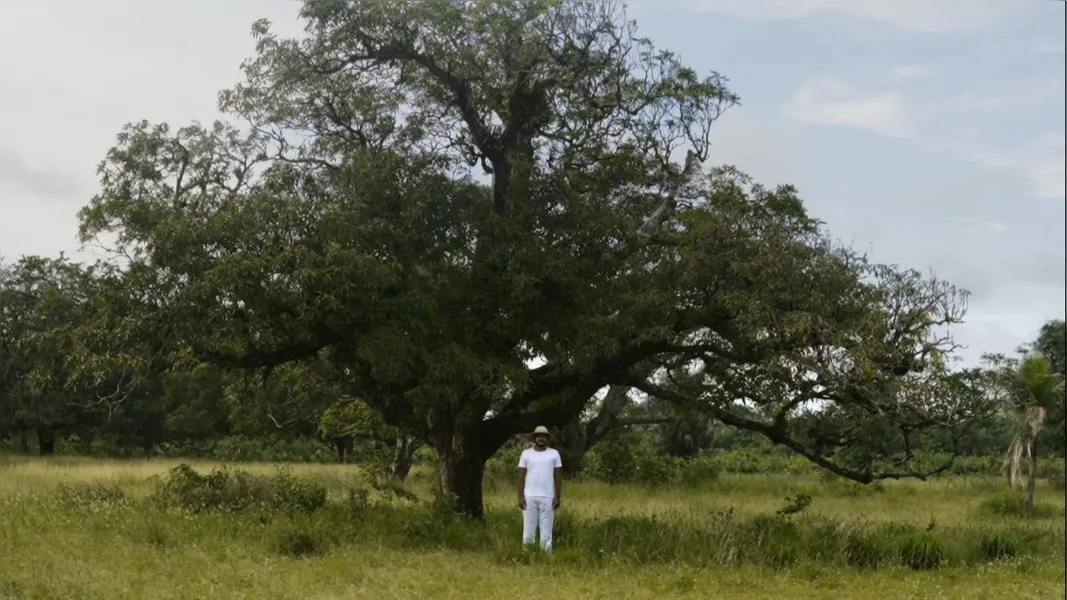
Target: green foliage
[1052,343]
[1016,507]
[795,505]
[296,537]
[922,551]
[998,545]
[241,448]
[238,491]
[698,472]
[864,550]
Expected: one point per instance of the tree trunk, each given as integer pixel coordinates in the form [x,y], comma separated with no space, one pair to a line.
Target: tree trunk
[345,446]
[1031,481]
[402,455]
[46,441]
[575,444]
[462,472]
[24,441]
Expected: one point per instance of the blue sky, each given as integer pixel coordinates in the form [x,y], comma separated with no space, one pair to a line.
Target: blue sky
[929,132]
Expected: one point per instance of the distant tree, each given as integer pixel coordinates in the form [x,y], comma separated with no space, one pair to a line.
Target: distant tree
[39,295]
[1052,343]
[350,420]
[1031,389]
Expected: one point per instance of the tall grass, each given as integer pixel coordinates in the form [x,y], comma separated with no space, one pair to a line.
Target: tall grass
[734,523]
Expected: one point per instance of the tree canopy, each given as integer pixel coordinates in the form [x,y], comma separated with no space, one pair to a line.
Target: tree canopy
[344,219]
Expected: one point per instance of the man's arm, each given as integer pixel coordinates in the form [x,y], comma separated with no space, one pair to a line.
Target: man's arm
[521,485]
[557,475]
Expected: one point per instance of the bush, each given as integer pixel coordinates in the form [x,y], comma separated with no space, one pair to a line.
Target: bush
[237,491]
[654,470]
[1057,479]
[613,461]
[698,472]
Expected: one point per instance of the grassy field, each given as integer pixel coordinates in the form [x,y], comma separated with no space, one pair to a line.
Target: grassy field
[91,530]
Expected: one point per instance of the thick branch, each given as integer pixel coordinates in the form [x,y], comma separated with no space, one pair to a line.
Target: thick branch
[776,434]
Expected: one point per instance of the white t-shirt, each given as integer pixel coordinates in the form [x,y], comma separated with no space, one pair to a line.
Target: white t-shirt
[540,472]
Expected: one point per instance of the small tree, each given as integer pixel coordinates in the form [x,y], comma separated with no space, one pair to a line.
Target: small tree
[1033,390]
[348,420]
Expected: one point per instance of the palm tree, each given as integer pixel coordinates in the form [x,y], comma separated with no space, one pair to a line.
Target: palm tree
[1035,389]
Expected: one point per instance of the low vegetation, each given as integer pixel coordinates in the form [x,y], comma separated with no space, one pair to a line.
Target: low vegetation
[162,529]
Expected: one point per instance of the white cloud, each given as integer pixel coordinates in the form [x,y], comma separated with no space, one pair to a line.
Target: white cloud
[925,16]
[830,101]
[1042,159]
[955,125]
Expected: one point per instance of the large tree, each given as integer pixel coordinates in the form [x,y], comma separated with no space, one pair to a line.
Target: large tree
[344,224]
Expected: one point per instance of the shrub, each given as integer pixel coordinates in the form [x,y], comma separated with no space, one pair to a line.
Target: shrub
[795,505]
[698,472]
[612,461]
[654,470]
[1057,479]
[237,491]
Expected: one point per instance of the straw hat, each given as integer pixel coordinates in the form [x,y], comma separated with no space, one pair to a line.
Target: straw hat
[540,430]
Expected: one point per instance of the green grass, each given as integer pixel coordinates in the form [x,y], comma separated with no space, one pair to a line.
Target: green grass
[87,529]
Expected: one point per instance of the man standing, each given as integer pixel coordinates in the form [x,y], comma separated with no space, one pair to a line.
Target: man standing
[540,480]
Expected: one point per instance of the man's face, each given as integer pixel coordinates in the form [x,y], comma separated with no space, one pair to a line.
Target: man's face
[540,440]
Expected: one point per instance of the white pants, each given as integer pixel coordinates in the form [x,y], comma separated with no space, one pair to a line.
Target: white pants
[538,517]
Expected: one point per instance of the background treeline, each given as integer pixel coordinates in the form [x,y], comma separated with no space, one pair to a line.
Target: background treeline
[294,414]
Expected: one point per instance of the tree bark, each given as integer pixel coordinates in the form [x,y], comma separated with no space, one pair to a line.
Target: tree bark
[462,472]
[402,455]
[46,441]
[575,444]
[344,446]
[1031,481]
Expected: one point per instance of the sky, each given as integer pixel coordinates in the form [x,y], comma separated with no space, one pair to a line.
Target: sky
[929,133]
